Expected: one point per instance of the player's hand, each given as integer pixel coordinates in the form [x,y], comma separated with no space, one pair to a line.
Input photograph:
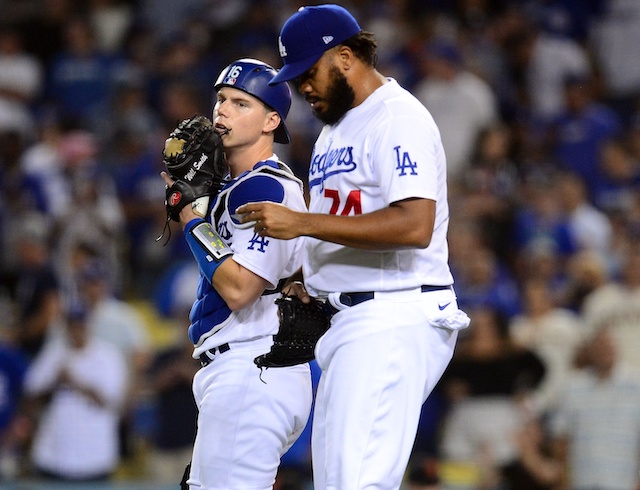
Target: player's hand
[272,219]
[186,213]
[296,288]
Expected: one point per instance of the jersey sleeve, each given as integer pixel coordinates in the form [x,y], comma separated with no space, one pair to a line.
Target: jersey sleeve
[269,258]
[408,158]
[256,189]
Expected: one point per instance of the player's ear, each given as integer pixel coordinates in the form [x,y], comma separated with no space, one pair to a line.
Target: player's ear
[345,56]
[272,121]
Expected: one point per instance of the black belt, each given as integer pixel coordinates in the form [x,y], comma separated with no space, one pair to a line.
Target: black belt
[207,356]
[353,299]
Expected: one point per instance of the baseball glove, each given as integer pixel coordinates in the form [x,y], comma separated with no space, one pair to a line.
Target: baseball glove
[301,325]
[194,158]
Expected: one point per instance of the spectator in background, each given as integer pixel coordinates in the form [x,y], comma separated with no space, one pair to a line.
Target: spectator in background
[42,165]
[564,18]
[578,132]
[540,63]
[616,304]
[184,62]
[117,322]
[615,192]
[539,223]
[586,271]
[180,100]
[36,290]
[535,467]
[135,165]
[21,81]
[597,427]
[487,381]
[541,261]
[482,279]
[94,214]
[614,40]
[167,18]
[43,27]
[490,187]
[80,76]
[131,125]
[20,195]
[111,21]
[553,333]
[461,103]
[590,227]
[82,383]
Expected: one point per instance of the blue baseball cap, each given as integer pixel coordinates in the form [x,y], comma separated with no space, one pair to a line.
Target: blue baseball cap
[308,33]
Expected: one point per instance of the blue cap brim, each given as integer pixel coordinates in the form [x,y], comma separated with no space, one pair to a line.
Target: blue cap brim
[294,70]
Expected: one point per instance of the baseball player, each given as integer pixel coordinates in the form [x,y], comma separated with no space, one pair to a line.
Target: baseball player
[378,254]
[247,418]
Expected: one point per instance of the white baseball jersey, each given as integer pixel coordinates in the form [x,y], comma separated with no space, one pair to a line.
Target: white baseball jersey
[384,150]
[269,258]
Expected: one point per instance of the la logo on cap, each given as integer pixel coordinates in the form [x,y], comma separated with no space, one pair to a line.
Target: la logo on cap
[281,48]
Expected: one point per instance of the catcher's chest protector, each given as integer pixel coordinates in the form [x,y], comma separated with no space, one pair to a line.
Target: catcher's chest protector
[267,168]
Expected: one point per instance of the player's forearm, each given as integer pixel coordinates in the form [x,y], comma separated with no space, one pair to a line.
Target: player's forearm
[401,225]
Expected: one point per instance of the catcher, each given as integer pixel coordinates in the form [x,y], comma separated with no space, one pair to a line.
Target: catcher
[245,423]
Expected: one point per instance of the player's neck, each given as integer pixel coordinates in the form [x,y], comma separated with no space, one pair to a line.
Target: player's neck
[366,82]
[243,159]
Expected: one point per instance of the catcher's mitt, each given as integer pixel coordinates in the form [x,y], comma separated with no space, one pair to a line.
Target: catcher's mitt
[194,158]
[301,325]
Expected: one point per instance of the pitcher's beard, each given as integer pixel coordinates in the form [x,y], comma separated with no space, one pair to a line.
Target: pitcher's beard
[339,99]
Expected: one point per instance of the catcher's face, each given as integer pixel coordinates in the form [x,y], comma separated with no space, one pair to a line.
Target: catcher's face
[241,119]
[327,90]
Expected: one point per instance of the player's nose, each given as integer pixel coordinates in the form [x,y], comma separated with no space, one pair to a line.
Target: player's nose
[303,86]
[220,109]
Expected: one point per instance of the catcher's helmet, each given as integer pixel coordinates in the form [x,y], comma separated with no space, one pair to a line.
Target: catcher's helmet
[253,76]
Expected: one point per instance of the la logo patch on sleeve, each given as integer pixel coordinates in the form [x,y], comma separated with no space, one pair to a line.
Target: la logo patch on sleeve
[404,164]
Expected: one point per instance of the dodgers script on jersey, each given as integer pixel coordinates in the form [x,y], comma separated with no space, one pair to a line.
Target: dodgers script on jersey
[268,181]
[355,170]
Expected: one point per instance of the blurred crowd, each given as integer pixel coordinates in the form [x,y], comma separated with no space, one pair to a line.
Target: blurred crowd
[538,103]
